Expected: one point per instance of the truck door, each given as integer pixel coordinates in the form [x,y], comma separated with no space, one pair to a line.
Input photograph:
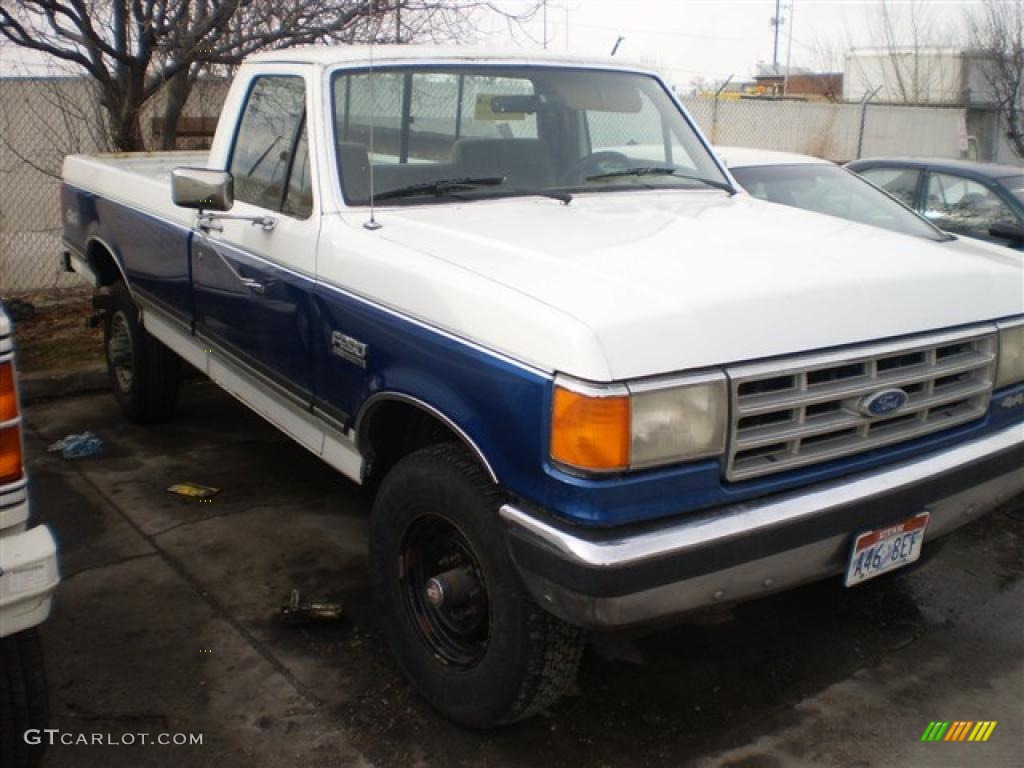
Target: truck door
[253,281]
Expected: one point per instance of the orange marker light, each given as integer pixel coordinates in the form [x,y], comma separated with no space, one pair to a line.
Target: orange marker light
[590,433]
[10,455]
[8,398]
[10,438]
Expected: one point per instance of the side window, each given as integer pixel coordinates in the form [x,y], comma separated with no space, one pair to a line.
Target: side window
[964,206]
[901,183]
[270,159]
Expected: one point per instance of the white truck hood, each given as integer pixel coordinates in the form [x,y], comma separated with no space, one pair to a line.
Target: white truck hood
[676,281]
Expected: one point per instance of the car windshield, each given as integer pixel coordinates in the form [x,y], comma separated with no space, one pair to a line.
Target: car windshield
[1016,186]
[465,132]
[834,191]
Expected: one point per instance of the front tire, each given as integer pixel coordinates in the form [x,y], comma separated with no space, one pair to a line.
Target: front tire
[144,374]
[452,607]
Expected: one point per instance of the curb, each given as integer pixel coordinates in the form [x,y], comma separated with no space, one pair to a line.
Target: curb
[49,385]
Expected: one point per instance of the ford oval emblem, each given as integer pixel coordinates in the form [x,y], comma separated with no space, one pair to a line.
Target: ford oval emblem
[883,403]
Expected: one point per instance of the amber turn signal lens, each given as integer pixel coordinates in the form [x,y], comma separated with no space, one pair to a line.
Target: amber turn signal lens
[8,398]
[10,455]
[590,433]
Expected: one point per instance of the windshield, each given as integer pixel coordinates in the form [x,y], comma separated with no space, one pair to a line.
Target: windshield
[1016,186]
[834,191]
[463,133]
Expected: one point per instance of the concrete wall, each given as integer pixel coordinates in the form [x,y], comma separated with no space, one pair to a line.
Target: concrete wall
[830,130]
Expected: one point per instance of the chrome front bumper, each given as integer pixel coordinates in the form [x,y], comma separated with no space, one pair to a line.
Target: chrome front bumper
[601,579]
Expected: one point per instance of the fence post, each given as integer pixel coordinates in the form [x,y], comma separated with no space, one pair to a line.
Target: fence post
[714,112]
[863,117]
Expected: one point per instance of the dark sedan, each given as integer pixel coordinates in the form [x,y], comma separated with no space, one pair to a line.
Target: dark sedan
[982,200]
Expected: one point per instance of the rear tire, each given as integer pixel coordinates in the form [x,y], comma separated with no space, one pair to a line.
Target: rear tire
[24,700]
[489,655]
[144,374]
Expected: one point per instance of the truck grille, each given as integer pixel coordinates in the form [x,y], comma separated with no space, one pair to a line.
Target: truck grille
[805,410]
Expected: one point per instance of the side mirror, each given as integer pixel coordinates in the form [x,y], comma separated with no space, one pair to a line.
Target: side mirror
[203,189]
[1003,231]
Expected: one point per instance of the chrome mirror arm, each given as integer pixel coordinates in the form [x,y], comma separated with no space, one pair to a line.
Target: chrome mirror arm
[210,221]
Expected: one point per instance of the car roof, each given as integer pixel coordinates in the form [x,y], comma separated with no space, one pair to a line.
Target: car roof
[989,170]
[747,157]
[328,55]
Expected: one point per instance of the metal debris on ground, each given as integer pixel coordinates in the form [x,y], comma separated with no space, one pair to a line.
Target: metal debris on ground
[78,446]
[299,612]
[194,490]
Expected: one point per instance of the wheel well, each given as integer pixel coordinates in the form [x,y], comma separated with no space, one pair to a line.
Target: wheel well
[392,429]
[102,262]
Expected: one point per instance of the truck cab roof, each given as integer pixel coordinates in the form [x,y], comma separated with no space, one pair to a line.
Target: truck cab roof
[330,55]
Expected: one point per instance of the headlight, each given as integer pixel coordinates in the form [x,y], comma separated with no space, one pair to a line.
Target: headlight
[1011,353]
[612,428]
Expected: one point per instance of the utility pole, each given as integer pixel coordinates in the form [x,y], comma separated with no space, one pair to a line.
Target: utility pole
[545,13]
[398,21]
[618,42]
[776,21]
[789,46]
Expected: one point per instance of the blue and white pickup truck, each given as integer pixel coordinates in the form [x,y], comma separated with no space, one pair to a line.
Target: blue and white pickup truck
[597,384]
[28,578]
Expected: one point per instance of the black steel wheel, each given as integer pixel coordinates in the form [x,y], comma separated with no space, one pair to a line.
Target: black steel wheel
[144,374]
[444,591]
[450,602]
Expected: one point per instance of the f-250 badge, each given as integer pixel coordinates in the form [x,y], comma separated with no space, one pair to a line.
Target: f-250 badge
[348,348]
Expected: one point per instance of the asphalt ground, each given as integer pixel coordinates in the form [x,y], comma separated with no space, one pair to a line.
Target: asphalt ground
[167,623]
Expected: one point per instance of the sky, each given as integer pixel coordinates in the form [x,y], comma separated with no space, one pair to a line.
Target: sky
[713,39]
[690,39]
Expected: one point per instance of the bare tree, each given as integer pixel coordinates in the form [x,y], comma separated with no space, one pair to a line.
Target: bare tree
[996,34]
[136,49]
[913,52]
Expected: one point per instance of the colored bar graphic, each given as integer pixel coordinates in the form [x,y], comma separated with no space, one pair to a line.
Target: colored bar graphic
[958,730]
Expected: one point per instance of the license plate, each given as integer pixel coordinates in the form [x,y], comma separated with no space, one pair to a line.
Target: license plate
[886,549]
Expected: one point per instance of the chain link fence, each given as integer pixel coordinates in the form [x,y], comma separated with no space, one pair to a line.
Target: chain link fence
[41,121]
[44,119]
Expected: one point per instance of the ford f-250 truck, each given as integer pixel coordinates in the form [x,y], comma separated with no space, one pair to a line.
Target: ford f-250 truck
[597,384]
[28,578]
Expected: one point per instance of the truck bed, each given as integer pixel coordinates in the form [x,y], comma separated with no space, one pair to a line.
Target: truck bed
[139,179]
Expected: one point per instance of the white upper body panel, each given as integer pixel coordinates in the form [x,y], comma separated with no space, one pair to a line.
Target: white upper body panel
[615,285]
[645,283]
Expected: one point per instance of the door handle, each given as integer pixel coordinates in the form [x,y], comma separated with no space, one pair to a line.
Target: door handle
[254,285]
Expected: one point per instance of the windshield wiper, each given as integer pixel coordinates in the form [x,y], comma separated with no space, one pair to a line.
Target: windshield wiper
[659,170]
[554,194]
[441,187]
